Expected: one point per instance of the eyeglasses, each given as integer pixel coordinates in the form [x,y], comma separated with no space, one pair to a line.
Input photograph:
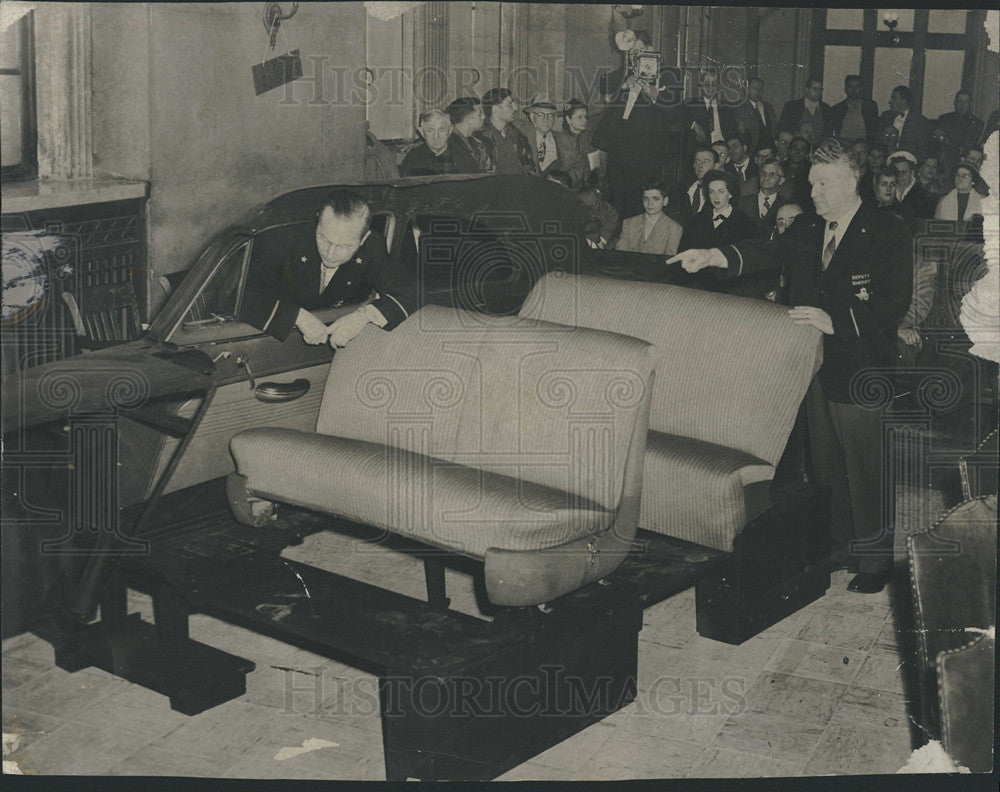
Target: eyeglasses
[544,116]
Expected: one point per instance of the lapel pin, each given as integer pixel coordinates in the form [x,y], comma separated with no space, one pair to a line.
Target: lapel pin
[357,260]
[304,259]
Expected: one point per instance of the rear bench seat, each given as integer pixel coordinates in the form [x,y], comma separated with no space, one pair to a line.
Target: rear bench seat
[731,374]
[510,440]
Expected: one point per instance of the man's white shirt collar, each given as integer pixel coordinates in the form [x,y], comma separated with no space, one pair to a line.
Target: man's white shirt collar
[843,222]
[724,212]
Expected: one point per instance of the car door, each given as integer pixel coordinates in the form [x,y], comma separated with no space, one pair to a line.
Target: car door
[259,380]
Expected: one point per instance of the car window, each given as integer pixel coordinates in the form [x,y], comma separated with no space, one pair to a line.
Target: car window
[216,302]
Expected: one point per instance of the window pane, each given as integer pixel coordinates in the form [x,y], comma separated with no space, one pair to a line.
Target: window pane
[844,19]
[10,119]
[10,47]
[942,77]
[892,68]
[946,21]
[217,299]
[905,19]
[838,62]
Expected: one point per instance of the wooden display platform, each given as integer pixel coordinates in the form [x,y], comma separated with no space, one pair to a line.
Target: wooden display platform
[461,697]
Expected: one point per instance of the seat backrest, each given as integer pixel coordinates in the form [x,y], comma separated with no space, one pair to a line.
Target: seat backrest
[731,370]
[538,402]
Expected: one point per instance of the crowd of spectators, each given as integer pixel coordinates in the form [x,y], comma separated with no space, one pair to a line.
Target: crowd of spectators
[718,170]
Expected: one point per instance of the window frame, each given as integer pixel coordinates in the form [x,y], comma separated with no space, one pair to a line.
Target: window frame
[27,168]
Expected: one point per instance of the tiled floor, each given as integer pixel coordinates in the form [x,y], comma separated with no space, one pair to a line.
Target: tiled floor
[822,692]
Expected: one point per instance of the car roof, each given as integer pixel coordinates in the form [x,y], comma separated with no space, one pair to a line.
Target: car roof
[513,202]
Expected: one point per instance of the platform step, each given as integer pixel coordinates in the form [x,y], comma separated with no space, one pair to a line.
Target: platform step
[195,679]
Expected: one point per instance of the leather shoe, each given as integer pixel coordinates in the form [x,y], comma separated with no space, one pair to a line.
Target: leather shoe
[869,582]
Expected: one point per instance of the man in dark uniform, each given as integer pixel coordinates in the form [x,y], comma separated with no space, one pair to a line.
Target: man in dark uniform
[343,264]
[848,273]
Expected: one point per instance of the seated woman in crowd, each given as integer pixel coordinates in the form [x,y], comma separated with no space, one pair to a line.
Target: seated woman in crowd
[929,176]
[652,231]
[962,202]
[723,223]
[575,139]
[604,217]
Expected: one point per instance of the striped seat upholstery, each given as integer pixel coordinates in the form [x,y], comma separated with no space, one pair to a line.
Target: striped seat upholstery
[495,437]
[731,374]
[456,507]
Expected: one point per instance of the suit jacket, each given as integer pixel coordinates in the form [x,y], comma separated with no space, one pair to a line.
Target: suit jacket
[748,121]
[916,134]
[696,112]
[763,226]
[680,207]
[869,114]
[751,183]
[866,290]
[700,230]
[285,276]
[663,239]
[559,163]
[791,117]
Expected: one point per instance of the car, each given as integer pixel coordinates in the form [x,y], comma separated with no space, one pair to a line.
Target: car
[198,375]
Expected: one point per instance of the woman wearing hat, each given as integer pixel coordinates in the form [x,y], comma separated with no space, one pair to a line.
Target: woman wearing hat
[963,202]
[574,141]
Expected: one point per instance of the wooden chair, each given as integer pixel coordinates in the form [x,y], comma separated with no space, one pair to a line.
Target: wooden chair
[105,315]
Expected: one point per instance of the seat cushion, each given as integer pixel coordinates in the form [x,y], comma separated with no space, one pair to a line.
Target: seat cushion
[440,503]
[704,493]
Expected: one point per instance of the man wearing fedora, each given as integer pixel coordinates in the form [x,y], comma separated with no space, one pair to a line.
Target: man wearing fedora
[549,155]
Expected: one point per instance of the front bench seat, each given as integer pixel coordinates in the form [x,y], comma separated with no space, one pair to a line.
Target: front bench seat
[513,441]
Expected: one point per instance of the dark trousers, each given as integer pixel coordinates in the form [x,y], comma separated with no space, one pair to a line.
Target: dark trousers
[846,455]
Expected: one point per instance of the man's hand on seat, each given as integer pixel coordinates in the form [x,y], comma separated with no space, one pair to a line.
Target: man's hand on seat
[346,328]
[694,260]
[312,329]
[815,317]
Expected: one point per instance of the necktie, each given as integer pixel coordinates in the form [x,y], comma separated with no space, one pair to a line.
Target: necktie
[766,207]
[760,111]
[541,151]
[717,220]
[831,246]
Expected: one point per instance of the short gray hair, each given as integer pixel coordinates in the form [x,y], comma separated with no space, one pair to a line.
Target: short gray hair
[430,115]
[831,152]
